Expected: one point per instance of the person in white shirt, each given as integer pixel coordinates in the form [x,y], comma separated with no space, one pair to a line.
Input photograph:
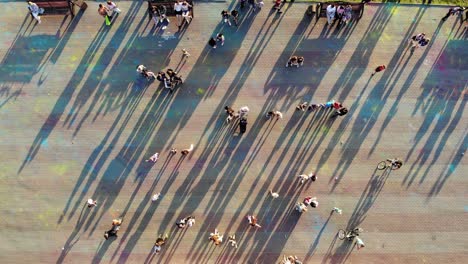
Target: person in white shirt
[331,11]
[112,8]
[186,12]
[35,11]
[178,12]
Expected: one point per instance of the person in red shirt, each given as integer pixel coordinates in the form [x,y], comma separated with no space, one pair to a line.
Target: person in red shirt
[379,69]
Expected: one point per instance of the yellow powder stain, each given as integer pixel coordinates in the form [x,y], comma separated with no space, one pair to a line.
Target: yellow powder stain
[74,58]
[59,169]
[200,91]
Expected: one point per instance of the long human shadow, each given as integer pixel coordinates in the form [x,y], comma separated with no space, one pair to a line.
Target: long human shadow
[314,246]
[371,108]
[28,54]
[455,160]
[443,89]
[73,239]
[5,91]
[100,84]
[65,97]
[365,203]
[132,95]
[184,111]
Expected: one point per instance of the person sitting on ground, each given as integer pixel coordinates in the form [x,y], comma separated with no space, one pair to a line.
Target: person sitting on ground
[292,62]
[301,207]
[231,113]
[415,39]
[423,42]
[313,107]
[396,162]
[147,74]
[312,201]
[253,221]
[276,114]
[216,238]
[301,106]
[291,260]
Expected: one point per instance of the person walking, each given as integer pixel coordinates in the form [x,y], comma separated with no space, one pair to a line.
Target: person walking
[187,151]
[112,8]
[235,17]
[359,243]
[337,210]
[302,106]
[160,241]
[36,11]
[225,17]
[178,13]
[186,12]
[243,111]
[252,4]
[452,11]
[104,11]
[331,12]
[220,38]
[185,54]
[378,69]
[273,194]
[232,240]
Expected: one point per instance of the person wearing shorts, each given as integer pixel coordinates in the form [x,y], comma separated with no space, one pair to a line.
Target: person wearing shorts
[178,12]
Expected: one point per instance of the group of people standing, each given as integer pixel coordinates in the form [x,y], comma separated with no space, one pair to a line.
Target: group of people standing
[340,12]
[108,10]
[171,79]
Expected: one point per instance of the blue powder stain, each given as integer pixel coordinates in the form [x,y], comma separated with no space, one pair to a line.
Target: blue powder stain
[452,168]
[465,208]
[45,143]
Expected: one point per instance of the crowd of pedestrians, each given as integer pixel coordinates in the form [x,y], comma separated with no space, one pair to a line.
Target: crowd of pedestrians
[170,79]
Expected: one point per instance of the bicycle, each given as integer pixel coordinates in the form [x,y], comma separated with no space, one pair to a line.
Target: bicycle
[393,164]
[350,234]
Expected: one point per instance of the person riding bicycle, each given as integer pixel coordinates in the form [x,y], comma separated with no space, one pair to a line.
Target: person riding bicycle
[353,233]
[396,163]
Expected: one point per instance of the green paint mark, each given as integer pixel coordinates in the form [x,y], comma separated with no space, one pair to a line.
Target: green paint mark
[200,91]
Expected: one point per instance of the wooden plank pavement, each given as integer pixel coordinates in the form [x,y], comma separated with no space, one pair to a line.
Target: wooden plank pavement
[77,123]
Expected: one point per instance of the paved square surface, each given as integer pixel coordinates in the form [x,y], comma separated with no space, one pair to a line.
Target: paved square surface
[78,123]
